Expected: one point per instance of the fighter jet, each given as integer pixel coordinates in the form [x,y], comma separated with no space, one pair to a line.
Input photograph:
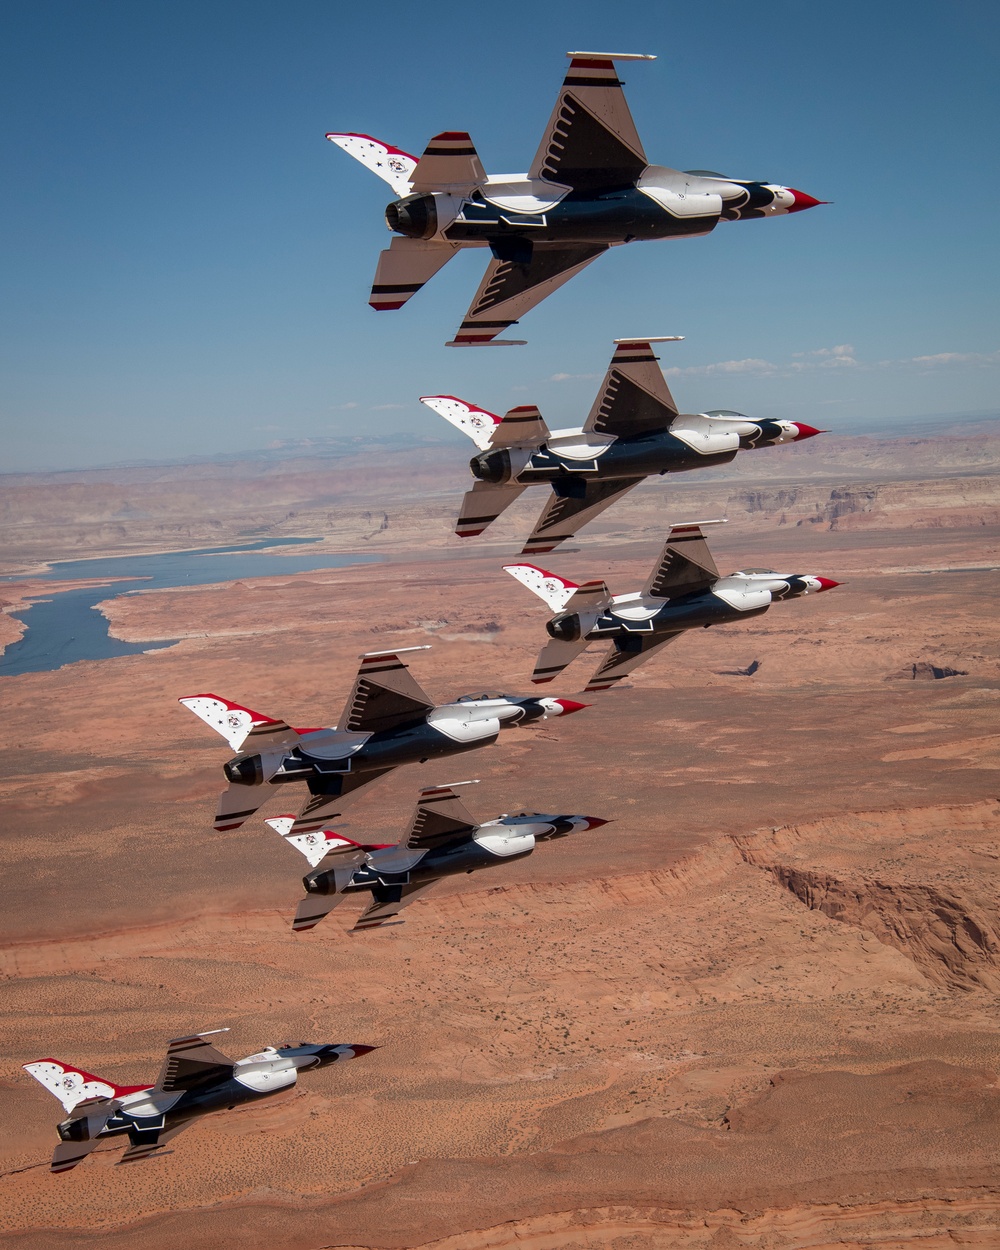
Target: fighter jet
[683,591]
[387,721]
[443,840]
[633,430]
[590,187]
[195,1080]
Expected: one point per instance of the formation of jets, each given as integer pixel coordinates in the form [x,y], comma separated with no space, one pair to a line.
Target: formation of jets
[590,187]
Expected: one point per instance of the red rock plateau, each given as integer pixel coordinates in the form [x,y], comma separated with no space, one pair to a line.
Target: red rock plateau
[758,1010]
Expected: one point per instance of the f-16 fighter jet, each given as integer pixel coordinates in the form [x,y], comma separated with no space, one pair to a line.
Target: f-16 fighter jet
[195,1079]
[633,430]
[443,840]
[683,591]
[590,187]
[387,721]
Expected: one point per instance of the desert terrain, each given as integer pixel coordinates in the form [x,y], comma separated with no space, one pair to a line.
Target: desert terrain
[757,1010]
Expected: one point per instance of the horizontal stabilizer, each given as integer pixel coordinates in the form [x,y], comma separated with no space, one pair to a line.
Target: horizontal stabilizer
[68,1154]
[449,161]
[237,724]
[549,587]
[404,267]
[238,803]
[313,908]
[589,597]
[482,505]
[392,165]
[520,427]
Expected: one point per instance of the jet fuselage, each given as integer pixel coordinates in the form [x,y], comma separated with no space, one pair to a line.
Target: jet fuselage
[694,442]
[733,598]
[510,213]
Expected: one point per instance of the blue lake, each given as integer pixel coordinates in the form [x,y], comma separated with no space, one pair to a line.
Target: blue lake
[68,627]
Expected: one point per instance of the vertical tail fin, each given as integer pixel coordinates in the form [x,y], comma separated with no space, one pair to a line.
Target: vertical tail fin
[549,587]
[73,1086]
[392,165]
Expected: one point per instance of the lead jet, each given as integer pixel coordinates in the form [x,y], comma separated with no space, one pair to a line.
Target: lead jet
[443,840]
[589,188]
[684,591]
[195,1080]
[387,721]
[633,430]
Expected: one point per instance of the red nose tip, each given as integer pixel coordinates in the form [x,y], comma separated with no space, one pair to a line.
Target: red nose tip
[595,822]
[827,583]
[363,1050]
[802,201]
[805,431]
[568,706]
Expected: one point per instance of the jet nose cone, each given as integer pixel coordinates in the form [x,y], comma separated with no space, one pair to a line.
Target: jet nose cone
[569,706]
[826,583]
[363,1050]
[805,431]
[803,201]
[595,822]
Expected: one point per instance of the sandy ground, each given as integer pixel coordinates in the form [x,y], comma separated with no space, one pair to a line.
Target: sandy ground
[757,1010]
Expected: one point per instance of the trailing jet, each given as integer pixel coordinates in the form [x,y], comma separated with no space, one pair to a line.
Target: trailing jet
[443,840]
[590,187]
[387,721]
[195,1080]
[683,591]
[633,430]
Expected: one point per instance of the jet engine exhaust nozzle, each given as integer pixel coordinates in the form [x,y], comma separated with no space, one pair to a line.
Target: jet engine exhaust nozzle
[245,772]
[320,882]
[491,466]
[415,216]
[565,628]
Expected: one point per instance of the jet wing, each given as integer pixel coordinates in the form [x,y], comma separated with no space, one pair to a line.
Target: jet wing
[634,397]
[387,902]
[192,1062]
[404,267]
[440,817]
[591,141]
[565,514]
[628,653]
[482,505]
[237,803]
[513,287]
[685,564]
[327,798]
[385,696]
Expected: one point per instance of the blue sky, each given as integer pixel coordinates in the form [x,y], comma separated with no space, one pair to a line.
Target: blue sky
[188,260]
